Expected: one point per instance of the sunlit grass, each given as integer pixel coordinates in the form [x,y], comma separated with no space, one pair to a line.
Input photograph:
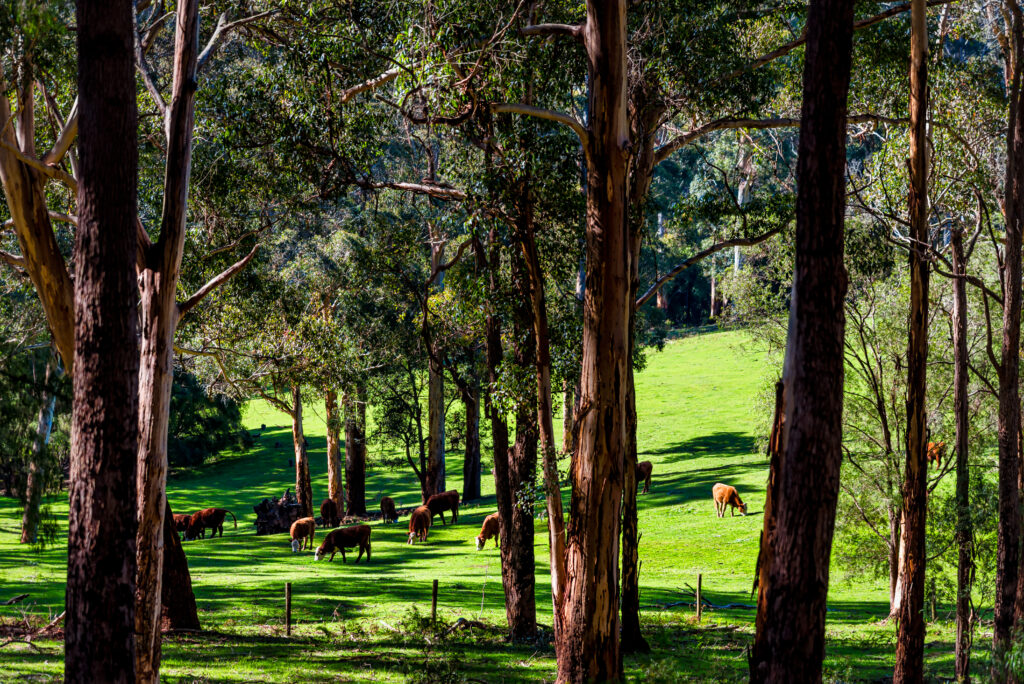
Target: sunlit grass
[698,424]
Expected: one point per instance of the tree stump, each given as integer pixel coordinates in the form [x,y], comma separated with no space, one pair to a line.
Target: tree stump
[274,516]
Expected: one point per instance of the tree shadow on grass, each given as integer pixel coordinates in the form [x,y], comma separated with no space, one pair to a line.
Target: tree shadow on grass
[714,444]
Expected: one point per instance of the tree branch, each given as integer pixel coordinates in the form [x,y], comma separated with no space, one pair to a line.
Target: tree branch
[441,268]
[442,192]
[370,84]
[216,282]
[65,138]
[571,30]
[147,77]
[728,123]
[735,242]
[541,113]
[13,260]
[223,28]
[54,172]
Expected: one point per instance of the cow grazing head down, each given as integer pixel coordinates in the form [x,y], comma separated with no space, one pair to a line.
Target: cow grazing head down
[480,543]
[318,555]
[412,537]
[295,546]
[742,508]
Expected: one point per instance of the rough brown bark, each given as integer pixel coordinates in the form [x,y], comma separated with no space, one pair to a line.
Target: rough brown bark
[910,631]
[633,640]
[355,454]
[964,533]
[517,530]
[471,462]
[1009,545]
[567,409]
[99,637]
[789,645]
[36,473]
[335,490]
[178,603]
[303,486]
[587,644]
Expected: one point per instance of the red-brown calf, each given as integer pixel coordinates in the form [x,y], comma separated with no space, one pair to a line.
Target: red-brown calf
[936,452]
[302,532]
[643,472]
[329,513]
[208,518]
[387,509]
[447,501]
[345,538]
[419,524]
[726,495]
[490,528]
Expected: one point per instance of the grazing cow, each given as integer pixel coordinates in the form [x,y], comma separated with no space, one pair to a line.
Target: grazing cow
[448,501]
[643,472]
[329,513]
[208,518]
[345,538]
[490,528]
[419,524]
[726,495]
[936,452]
[302,532]
[182,521]
[387,509]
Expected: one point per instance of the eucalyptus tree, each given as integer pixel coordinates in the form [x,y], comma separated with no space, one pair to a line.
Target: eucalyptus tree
[99,642]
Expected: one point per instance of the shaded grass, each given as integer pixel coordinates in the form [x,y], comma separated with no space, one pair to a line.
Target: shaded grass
[698,425]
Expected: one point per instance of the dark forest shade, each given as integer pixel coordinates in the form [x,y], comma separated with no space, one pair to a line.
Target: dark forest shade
[100,620]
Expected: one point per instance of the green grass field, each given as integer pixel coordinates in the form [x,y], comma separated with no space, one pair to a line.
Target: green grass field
[698,421]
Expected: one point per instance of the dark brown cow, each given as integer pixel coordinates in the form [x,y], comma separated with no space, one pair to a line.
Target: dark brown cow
[329,513]
[387,509]
[490,528]
[208,518]
[182,521]
[419,524]
[343,538]
[302,532]
[643,472]
[447,501]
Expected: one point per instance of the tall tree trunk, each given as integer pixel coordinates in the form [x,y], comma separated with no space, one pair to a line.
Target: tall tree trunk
[178,601]
[471,463]
[895,527]
[36,473]
[567,404]
[517,529]
[1009,544]
[435,395]
[910,632]
[355,454]
[335,490]
[99,637]
[303,485]
[790,641]
[587,645]
[632,638]
[159,315]
[964,531]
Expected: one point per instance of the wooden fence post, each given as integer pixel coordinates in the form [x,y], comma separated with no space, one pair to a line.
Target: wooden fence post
[433,605]
[288,608]
[700,607]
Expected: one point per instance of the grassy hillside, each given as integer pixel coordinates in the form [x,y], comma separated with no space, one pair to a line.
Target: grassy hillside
[698,422]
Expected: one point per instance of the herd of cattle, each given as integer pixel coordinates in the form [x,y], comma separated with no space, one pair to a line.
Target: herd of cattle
[303,530]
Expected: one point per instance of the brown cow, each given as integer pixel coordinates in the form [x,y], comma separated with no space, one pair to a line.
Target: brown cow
[387,509]
[302,532]
[936,452]
[419,524]
[726,495]
[448,501]
[208,518]
[345,538]
[643,472]
[329,513]
[182,521]
[490,528]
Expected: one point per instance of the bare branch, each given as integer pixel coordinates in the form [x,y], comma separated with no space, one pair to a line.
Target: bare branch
[571,30]
[541,113]
[729,123]
[67,136]
[441,268]
[216,282]
[735,242]
[223,28]
[12,260]
[437,191]
[54,172]
[370,84]
[147,77]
